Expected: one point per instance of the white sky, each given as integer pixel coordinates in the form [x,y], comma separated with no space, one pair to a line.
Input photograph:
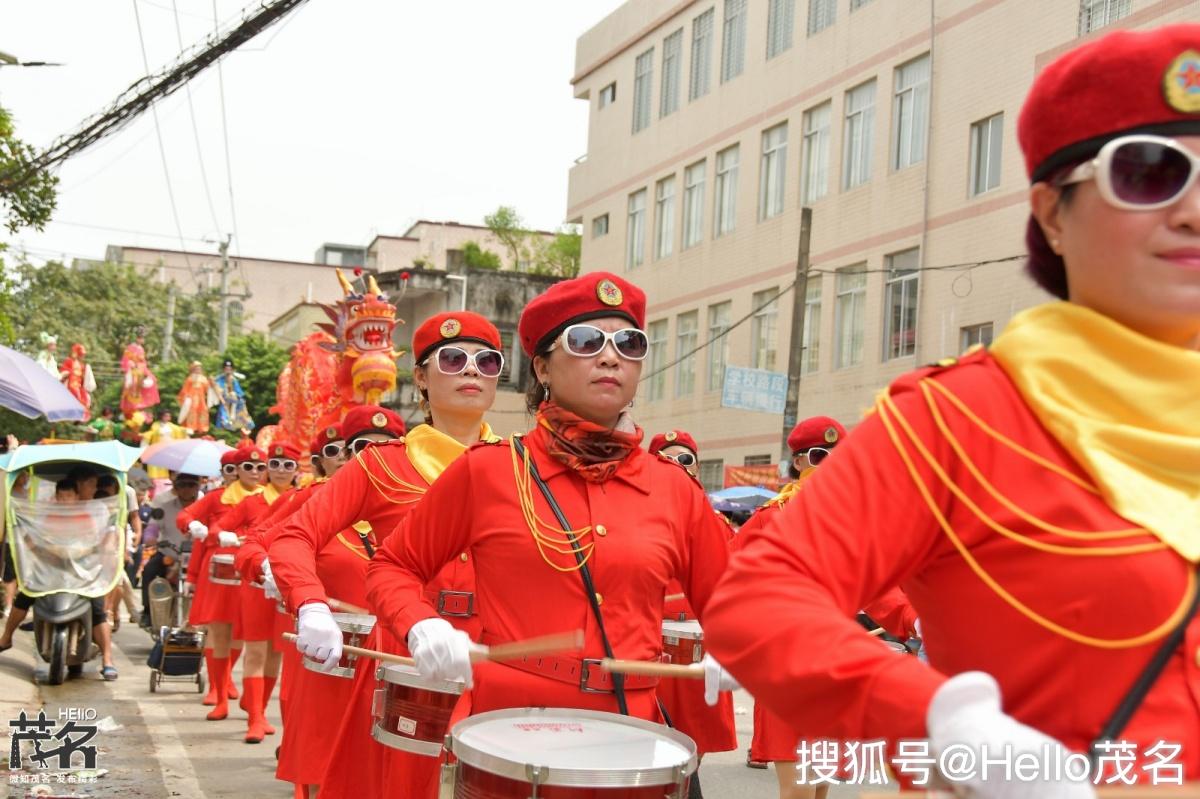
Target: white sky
[349,118]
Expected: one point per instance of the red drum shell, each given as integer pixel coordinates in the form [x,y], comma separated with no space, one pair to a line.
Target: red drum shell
[222,571]
[683,642]
[411,713]
[475,783]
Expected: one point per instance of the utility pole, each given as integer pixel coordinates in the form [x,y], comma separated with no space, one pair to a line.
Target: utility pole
[223,321]
[169,332]
[796,350]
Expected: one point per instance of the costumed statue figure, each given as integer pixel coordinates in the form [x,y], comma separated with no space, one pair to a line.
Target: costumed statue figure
[231,400]
[46,357]
[76,374]
[195,398]
[306,391]
[162,429]
[140,389]
[131,429]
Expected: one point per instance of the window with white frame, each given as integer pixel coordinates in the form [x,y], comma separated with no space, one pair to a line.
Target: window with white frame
[810,340]
[1096,14]
[635,231]
[672,67]
[608,95]
[849,315]
[718,344]
[821,14]
[687,334]
[780,21]
[910,112]
[902,281]
[725,191]
[757,460]
[762,329]
[733,40]
[643,84]
[857,135]
[693,204]
[816,152]
[664,217]
[772,171]
[712,474]
[600,226]
[507,340]
[656,359]
[987,136]
[700,79]
[972,335]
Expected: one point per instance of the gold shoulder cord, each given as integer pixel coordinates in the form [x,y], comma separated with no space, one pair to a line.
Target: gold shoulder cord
[891,417]
[558,541]
[397,484]
[352,547]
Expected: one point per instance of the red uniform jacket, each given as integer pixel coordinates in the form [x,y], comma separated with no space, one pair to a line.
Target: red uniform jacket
[204,510]
[860,526]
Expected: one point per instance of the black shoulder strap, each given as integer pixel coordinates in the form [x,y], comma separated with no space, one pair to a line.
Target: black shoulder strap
[585,574]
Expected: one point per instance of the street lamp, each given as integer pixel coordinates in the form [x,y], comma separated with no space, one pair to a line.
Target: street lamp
[463,278]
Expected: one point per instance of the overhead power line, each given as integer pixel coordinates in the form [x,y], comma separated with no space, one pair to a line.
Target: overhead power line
[187,89]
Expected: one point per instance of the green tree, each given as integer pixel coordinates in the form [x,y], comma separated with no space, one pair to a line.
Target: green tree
[509,229]
[559,256]
[8,333]
[478,258]
[28,196]
[260,360]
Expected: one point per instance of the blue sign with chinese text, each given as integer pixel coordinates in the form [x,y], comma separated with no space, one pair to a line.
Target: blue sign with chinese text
[754,390]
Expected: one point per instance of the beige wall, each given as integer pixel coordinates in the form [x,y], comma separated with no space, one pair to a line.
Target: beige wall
[985,54]
[431,241]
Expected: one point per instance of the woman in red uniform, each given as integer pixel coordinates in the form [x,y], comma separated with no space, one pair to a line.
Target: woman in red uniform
[638,522]
[458,365]
[1036,501]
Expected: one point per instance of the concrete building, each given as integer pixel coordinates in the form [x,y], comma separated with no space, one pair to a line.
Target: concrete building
[712,122]
[433,245]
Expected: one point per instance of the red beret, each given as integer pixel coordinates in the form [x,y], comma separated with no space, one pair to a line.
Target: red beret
[229,457]
[281,450]
[451,326]
[816,431]
[249,453]
[1124,82]
[672,439]
[323,437]
[591,296]
[371,419]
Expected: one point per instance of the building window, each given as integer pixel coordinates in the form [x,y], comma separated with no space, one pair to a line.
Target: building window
[687,332]
[780,20]
[973,335]
[772,171]
[816,152]
[712,474]
[718,344]
[1095,14]
[910,113]
[757,460]
[656,359]
[860,124]
[693,204]
[668,100]
[733,40]
[857,4]
[821,14]
[702,41]
[664,217]
[810,341]
[608,95]
[635,231]
[849,315]
[725,191]
[900,304]
[506,347]
[600,226]
[986,138]
[762,329]
[643,83]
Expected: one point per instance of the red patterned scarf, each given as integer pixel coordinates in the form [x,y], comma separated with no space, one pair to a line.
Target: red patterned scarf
[593,451]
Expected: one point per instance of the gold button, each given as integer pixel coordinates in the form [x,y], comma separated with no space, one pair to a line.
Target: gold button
[601,530]
[599,598]
[463,557]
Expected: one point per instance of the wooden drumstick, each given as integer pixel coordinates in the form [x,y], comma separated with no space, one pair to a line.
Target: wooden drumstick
[673,597]
[346,607]
[542,645]
[385,657]
[694,671]
[877,631]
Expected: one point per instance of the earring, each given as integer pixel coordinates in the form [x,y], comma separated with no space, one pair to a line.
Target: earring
[546,388]
[1054,245]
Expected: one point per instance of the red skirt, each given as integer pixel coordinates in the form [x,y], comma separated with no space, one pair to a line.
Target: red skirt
[774,740]
[712,728]
[216,603]
[257,614]
[313,701]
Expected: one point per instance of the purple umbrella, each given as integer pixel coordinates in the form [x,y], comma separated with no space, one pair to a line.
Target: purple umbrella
[28,389]
[197,456]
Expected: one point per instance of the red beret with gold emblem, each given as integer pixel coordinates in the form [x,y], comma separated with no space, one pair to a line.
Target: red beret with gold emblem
[671,439]
[323,437]
[371,419]
[815,431]
[282,450]
[229,457]
[249,454]
[591,296]
[451,327]
[1125,82]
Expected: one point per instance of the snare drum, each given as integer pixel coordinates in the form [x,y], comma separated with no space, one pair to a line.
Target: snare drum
[683,642]
[355,628]
[569,754]
[221,570]
[411,712]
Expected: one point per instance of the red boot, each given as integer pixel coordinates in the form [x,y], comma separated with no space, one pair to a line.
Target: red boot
[268,687]
[252,689]
[231,690]
[218,673]
[210,698]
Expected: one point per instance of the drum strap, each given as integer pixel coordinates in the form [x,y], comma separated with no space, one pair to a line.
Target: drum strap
[585,574]
[366,542]
[1142,685]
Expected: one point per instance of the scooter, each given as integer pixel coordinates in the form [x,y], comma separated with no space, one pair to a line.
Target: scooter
[62,630]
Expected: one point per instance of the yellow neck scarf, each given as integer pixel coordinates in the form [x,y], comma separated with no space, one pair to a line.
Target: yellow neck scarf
[791,489]
[235,493]
[270,493]
[430,450]
[1125,406]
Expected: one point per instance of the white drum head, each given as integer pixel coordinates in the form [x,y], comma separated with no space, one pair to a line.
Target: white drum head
[223,558]
[354,622]
[683,629]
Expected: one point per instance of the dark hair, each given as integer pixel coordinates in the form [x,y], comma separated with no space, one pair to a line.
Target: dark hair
[426,411]
[315,459]
[535,393]
[107,483]
[82,472]
[66,484]
[793,472]
[1044,265]
[106,411]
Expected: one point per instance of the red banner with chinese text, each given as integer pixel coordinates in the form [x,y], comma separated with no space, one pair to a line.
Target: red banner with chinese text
[766,476]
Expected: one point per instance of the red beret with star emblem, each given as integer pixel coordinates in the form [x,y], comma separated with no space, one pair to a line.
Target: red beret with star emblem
[248,454]
[816,431]
[451,327]
[1124,82]
[591,296]
[229,457]
[284,450]
[323,437]
[364,419]
[671,439]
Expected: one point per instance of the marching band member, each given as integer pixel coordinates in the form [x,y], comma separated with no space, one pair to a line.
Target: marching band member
[1047,484]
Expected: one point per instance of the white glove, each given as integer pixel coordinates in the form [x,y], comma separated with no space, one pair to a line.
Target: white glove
[965,714]
[716,679]
[317,635]
[270,589]
[228,539]
[441,652]
[188,588]
[197,531]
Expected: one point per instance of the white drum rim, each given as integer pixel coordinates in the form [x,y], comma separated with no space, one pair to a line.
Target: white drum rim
[613,777]
[355,622]
[392,673]
[690,630]
[341,672]
[413,745]
[223,557]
